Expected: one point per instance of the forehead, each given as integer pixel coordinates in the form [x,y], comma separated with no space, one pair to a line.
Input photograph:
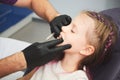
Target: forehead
[83,18]
[84,22]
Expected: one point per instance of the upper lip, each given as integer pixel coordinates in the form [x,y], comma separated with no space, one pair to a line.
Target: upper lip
[61,35]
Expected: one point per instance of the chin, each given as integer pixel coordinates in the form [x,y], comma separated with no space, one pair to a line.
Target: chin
[67,51]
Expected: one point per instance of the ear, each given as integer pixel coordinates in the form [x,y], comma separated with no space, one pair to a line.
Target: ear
[88,50]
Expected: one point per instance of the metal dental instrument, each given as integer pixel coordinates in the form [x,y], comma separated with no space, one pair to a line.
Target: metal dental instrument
[50,36]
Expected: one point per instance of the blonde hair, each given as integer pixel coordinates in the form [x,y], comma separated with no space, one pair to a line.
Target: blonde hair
[102,38]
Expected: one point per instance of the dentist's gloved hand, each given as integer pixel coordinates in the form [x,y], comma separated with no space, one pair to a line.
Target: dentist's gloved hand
[38,54]
[57,23]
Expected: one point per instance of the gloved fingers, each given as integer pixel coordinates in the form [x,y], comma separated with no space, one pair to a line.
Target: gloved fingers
[61,48]
[64,22]
[57,23]
[53,43]
[52,27]
[56,31]
[68,19]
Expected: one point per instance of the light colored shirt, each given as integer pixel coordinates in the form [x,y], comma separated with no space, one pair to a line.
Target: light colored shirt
[54,71]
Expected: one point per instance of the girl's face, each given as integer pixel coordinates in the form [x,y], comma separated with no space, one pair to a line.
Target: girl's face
[75,33]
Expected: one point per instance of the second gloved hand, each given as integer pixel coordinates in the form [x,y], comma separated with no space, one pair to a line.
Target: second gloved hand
[57,23]
[38,54]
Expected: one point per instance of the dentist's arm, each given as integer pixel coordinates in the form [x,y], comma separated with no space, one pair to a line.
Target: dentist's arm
[44,9]
[11,64]
[34,55]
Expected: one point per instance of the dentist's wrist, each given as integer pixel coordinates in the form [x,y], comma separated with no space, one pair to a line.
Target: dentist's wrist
[21,60]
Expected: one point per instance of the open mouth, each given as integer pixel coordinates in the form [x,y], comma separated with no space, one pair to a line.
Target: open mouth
[61,36]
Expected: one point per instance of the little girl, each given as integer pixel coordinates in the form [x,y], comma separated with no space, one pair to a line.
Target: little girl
[91,36]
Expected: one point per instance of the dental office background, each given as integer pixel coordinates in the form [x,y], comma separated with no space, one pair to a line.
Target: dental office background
[25,25]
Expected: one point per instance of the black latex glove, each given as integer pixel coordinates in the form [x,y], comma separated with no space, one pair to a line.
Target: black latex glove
[38,54]
[57,23]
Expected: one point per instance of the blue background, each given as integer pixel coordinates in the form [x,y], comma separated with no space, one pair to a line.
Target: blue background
[10,15]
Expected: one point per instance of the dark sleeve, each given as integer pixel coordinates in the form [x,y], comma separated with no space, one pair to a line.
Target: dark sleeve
[11,2]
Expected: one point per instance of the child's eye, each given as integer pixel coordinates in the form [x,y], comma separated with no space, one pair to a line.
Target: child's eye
[72,31]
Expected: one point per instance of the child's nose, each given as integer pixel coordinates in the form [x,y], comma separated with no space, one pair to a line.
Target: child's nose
[66,28]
